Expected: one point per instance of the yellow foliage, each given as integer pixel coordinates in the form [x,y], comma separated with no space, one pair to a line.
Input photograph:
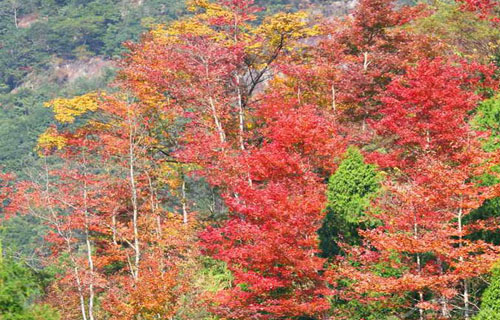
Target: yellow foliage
[169,174]
[199,24]
[50,139]
[66,110]
[286,26]
[189,27]
[281,31]
[100,126]
[209,7]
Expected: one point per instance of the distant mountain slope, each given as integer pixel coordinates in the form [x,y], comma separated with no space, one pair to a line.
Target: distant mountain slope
[60,47]
[51,48]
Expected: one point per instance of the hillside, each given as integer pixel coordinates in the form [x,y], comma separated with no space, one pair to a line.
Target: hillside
[67,47]
[235,160]
[60,48]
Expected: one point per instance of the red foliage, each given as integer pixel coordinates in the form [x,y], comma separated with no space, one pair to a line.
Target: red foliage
[486,9]
[423,236]
[269,242]
[266,125]
[271,176]
[427,109]
[424,119]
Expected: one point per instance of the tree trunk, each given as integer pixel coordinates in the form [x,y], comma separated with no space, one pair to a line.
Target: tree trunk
[183,200]
[90,260]
[220,130]
[135,209]
[461,258]
[241,114]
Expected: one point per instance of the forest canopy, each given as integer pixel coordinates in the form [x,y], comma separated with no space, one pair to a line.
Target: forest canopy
[232,159]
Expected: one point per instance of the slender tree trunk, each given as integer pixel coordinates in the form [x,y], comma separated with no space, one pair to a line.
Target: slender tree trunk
[466,300]
[55,222]
[113,222]
[135,214]
[135,209]
[334,102]
[241,114]
[184,200]
[419,264]
[154,207]
[91,285]
[445,311]
[420,293]
[366,63]
[220,130]
[420,310]
[80,294]
[461,258]
[242,123]
[90,259]
[218,124]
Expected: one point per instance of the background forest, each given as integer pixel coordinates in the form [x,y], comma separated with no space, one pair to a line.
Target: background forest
[232,159]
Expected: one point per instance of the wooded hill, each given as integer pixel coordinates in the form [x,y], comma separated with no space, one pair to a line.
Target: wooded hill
[233,162]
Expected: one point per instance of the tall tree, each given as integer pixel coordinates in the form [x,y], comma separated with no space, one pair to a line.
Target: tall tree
[210,69]
[350,191]
[439,158]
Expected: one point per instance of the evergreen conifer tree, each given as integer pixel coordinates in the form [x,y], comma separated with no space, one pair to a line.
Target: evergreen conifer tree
[350,190]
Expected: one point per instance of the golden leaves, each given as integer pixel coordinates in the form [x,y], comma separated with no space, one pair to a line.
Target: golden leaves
[197,25]
[196,5]
[66,110]
[50,139]
[286,26]
[170,174]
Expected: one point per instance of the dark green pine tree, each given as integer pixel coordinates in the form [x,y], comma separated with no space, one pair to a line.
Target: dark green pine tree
[350,191]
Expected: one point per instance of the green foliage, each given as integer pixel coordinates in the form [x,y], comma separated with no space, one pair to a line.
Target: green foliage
[19,55]
[23,236]
[214,275]
[19,287]
[490,305]
[48,29]
[350,190]
[464,32]
[22,119]
[211,276]
[489,209]
[488,119]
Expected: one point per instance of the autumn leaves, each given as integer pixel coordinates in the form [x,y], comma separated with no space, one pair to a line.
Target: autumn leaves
[248,111]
